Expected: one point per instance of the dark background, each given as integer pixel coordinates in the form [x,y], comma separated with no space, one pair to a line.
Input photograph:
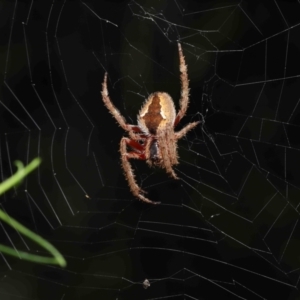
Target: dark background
[229,228]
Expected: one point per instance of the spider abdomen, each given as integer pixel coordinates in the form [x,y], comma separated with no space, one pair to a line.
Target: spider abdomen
[157,113]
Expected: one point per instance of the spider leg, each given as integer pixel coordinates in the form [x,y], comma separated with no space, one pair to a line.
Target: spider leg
[135,128]
[181,133]
[184,100]
[129,174]
[136,146]
[163,145]
[116,113]
[137,133]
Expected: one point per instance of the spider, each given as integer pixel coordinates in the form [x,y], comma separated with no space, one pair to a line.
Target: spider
[153,139]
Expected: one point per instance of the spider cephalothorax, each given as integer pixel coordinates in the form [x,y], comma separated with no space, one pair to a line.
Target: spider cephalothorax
[154,138]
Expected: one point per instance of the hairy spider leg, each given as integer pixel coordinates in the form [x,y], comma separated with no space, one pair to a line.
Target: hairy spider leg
[136,146]
[164,147]
[116,113]
[129,174]
[184,100]
[181,133]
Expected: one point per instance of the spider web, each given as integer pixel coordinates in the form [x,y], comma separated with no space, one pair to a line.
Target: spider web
[229,228]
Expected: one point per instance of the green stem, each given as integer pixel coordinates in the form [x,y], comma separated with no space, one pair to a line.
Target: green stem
[19,175]
[6,185]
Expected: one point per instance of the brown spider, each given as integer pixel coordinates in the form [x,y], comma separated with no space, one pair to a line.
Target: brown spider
[154,138]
